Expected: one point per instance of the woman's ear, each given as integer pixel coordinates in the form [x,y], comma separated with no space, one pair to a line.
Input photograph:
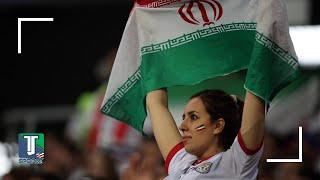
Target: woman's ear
[218,126]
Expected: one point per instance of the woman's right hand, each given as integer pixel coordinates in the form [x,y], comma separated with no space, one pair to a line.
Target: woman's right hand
[157,97]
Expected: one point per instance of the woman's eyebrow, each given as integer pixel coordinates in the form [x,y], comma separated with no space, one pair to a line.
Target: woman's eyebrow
[189,113]
[192,112]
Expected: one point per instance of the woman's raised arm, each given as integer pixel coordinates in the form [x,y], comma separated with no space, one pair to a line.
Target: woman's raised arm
[253,121]
[164,127]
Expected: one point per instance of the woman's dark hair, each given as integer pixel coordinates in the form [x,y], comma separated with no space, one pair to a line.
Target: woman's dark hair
[220,104]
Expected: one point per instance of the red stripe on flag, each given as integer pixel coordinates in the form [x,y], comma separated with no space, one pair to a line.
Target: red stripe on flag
[144,2]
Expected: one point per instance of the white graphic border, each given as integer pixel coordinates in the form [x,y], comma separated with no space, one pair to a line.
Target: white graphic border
[20,20]
[291,160]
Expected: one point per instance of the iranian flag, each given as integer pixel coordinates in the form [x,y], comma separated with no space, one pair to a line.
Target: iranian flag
[184,43]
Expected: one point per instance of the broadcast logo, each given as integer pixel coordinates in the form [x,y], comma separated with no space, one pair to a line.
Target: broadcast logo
[31,148]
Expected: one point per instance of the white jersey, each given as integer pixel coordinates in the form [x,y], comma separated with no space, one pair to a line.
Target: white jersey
[238,162]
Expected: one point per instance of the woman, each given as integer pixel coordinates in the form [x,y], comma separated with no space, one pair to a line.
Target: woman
[211,145]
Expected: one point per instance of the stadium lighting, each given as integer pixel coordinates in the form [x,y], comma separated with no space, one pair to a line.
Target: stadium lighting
[306,40]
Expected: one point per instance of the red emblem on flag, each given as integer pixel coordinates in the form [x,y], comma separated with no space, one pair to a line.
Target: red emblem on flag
[210,11]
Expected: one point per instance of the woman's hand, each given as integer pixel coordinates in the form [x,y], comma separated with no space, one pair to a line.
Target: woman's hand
[157,97]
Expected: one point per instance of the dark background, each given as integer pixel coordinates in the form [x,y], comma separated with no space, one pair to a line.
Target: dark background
[57,58]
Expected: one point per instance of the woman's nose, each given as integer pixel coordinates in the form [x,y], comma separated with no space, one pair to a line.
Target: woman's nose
[183,126]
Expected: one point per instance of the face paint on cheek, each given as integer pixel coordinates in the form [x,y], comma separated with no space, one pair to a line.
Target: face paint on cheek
[201,127]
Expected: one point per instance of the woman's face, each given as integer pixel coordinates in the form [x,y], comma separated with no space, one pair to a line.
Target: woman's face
[198,130]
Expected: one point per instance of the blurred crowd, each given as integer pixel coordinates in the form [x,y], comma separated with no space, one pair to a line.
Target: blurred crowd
[93,146]
[66,160]
[287,148]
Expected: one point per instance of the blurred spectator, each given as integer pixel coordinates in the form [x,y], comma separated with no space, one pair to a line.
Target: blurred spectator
[58,157]
[18,172]
[99,165]
[92,130]
[290,171]
[145,164]
[270,151]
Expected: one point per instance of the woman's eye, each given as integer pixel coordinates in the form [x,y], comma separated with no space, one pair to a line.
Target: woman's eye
[193,117]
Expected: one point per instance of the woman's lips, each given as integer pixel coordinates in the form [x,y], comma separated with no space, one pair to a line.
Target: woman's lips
[185,138]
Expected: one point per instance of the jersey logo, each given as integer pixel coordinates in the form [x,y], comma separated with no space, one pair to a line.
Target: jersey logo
[204,168]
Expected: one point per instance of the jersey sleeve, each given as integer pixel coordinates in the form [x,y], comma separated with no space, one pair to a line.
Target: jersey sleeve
[177,160]
[242,160]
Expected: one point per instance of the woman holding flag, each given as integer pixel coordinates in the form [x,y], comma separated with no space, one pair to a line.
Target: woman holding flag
[211,145]
[172,42]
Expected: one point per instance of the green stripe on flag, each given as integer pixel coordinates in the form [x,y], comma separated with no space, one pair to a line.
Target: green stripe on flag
[130,108]
[270,68]
[198,60]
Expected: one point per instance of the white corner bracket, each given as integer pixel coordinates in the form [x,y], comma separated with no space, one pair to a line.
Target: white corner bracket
[299,160]
[19,28]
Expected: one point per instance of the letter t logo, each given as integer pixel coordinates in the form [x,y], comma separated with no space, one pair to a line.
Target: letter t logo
[31,144]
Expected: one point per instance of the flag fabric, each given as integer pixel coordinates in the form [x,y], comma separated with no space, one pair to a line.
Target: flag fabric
[168,43]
